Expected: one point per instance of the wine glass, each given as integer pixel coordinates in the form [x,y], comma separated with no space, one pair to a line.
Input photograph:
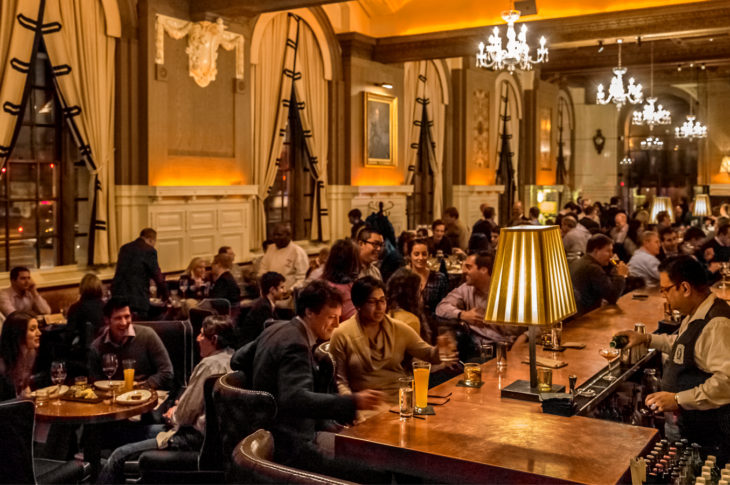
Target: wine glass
[58,375]
[109,364]
[183,285]
[610,354]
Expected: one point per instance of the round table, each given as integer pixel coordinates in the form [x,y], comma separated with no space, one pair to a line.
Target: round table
[74,412]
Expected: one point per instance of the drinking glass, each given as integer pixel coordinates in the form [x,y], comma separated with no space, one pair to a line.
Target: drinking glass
[58,375]
[405,397]
[183,285]
[610,354]
[472,374]
[421,373]
[109,364]
[544,379]
[501,355]
[487,352]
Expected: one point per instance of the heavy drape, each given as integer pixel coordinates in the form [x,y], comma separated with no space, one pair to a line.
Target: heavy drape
[423,88]
[311,89]
[272,79]
[82,56]
[19,21]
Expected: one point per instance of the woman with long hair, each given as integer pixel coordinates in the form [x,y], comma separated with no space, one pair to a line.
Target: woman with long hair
[404,302]
[194,275]
[340,271]
[434,284]
[19,343]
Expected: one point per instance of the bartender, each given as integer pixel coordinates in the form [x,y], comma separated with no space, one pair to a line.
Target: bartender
[696,380]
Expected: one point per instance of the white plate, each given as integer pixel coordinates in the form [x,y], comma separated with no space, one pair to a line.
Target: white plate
[104,384]
[135,397]
[51,390]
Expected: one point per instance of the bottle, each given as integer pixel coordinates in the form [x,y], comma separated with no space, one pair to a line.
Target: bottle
[651,382]
[619,341]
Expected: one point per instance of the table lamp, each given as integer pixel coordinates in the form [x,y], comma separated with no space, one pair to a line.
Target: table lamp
[659,204]
[530,286]
[701,206]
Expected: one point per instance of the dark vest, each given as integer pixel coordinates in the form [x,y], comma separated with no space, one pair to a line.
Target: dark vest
[710,428]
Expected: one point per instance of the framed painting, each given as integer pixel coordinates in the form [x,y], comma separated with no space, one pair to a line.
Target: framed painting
[381,130]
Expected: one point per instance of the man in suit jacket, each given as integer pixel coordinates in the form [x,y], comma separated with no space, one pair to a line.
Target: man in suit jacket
[136,266]
[280,362]
[273,289]
[225,285]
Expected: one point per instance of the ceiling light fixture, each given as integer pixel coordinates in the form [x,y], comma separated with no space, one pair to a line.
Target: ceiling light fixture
[652,143]
[627,161]
[517,55]
[651,115]
[616,92]
[691,128]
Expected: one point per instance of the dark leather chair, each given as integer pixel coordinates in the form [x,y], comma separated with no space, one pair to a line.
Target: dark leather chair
[240,412]
[17,464]
[179,341]
[324,375]
[220,305]
[169,466]
[252,463]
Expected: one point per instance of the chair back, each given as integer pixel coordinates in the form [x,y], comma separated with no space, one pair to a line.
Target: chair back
[253,463]
[239,413]
[211,442]
[16,436]
[220,305]
[324,372]
[178,339]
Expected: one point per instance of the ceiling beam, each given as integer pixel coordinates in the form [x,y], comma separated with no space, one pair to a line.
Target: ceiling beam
[677,21]
[248,8]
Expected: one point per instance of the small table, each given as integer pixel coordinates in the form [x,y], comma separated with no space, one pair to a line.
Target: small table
[90,414]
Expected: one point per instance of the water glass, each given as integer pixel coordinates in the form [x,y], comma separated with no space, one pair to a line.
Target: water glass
[501,355]
[544,379]
[486,352]
[405,396]
[58,376]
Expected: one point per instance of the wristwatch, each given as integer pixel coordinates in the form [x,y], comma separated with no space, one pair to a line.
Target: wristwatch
[676,398]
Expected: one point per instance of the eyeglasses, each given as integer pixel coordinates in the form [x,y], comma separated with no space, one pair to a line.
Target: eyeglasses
[665,289]
[375,244]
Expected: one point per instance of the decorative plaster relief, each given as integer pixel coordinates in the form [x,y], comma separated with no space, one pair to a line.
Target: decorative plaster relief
[204,38]
[480,133]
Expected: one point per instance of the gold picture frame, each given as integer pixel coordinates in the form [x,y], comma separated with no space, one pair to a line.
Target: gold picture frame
[380,139]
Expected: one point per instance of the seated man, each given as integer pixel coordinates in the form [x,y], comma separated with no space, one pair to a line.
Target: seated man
[575,237]
[644,263]
[594,278]
[273,289]
[280,361]
[285,257]
[369,244]
[456,231]
[468,302]
[719,246]
[128,341]
[22,295]
[215,339]
[438,242]
[224,286]
[669,242]
[235,269]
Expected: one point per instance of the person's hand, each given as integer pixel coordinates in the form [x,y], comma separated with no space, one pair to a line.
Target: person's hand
[521,340]
[635,338]
[473,316]
[458,252]
[367,399]
[169,415]
[714,266]
[662,402]
[709,254]
[33,289]
[622,269]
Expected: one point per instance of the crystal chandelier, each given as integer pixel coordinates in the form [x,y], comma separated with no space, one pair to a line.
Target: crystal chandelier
[616,92]
[652,143]
[691,129]
[627,161]
[651,115]
[517,54]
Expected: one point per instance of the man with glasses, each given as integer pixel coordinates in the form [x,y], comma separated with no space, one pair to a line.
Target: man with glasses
[369,243]
[696,381]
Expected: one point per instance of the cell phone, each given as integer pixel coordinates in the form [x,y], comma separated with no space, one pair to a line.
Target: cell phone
[640,296]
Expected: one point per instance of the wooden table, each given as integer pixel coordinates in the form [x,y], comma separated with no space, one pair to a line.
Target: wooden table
[480,437]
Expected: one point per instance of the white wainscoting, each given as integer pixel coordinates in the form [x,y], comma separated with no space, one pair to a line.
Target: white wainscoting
[190,221]
[468,198]
[343,198]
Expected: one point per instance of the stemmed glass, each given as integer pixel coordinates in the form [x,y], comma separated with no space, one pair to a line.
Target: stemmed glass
[58,375]
[183,285]
[109,364]
[610,354]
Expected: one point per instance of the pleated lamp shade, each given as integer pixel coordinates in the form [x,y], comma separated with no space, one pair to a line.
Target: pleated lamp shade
[531,282]
[660,204]
[701,206]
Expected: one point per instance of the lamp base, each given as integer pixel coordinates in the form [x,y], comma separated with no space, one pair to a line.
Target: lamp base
[521,390]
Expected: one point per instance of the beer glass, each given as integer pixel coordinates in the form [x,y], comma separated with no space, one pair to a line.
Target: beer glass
[128,365]
[421,372]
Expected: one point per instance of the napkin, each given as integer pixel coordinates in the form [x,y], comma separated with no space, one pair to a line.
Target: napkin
[545,362]
[573,345]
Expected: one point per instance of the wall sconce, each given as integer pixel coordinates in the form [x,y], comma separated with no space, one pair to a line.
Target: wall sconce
[599,141]
[725,165]
[384,85]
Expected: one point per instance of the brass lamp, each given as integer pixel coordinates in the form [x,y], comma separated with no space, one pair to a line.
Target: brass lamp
[701,206]
[660,203]
[531,286]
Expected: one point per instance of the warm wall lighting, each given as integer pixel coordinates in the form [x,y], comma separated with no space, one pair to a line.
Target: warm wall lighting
[658,205]
[701,206]
[192,172]
[384,85]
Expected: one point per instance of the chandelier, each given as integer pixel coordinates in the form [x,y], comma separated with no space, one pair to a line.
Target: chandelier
[652,143]
[651,115]
[690,129]
[517,54]
[627,161]
[616,92]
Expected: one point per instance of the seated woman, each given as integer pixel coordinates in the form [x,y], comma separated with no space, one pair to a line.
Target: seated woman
[434,285]
[19,343]
[194,277]
[403,293]
[188,415]
[370,347]
[89,308]
[340,271]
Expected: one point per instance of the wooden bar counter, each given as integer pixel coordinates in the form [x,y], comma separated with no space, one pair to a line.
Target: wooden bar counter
[480,437]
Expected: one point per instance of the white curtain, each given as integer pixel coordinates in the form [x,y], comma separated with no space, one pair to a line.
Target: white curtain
[272,80]
[423,88]
[82,55]
[311,89]
[19,20]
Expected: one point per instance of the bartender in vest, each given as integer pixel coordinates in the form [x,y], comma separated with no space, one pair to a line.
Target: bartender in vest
[696,380]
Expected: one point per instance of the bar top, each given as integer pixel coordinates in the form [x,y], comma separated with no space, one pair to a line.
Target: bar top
[480,436]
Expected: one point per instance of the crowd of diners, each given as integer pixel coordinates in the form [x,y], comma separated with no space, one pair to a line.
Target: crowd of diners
[380,301]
